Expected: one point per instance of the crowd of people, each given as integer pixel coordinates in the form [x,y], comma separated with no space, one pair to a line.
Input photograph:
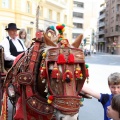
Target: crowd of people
[14,45]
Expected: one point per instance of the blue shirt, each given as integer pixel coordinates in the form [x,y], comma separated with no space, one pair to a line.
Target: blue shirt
[105,100]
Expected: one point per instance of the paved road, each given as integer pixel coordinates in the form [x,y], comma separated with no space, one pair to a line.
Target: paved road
[100,66]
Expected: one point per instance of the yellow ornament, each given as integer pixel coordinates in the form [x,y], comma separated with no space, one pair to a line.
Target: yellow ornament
[44,55]
[63,29]
[49,101]
[81,75]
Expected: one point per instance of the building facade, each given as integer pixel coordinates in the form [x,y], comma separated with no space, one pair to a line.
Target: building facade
[78,18]
[101,29]
[23,13]
[112,26]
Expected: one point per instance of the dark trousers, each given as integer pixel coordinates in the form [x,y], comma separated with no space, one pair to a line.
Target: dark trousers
[8,64]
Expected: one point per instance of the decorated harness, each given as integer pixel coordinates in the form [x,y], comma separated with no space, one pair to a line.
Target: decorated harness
[45,79]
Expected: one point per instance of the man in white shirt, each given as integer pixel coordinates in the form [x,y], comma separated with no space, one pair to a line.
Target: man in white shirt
[12,45]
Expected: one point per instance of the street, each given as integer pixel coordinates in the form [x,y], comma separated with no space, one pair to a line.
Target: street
[100,67]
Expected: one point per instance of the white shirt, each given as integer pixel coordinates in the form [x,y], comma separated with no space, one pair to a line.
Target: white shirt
[6,46]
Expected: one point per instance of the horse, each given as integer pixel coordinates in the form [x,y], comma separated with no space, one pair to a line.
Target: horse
[45,81]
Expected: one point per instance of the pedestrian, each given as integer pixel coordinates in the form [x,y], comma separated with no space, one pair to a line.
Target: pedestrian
[12,45]
[23,37]
[112,51]
[105,99]
[52,33]
[113,111]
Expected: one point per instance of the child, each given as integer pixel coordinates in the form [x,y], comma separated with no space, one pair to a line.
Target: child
[113,111]
[105,99]
[23,36]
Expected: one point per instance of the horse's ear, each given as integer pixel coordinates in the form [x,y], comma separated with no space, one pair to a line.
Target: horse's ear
[48,41]
[77,41]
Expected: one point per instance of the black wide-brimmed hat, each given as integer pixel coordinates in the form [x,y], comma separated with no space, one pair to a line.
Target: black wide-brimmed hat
[12,26]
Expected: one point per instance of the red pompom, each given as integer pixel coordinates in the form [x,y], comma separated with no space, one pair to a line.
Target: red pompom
[61,59]
[71,59]
[61,27]
[50,97]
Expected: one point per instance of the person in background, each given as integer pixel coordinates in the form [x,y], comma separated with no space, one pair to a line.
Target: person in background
[105,99]
[113,111]
[12,45]
[23,37]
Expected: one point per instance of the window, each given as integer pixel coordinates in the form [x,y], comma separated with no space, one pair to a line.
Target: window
[78,4]
[74,35]
[78,25]
[41,11]
[113,1]
[77,14]
[4,34]
[113,9]
[105,30]
[65,19]
[117,27]
[28,7]
[118,18]
[58,17]
[29,33]
[111,29]
[118,7]
[50,14]
[5,3]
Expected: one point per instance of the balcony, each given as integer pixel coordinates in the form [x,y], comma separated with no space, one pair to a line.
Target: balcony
[101,32]
[102,16]
[118,12]
[102,8]
[78,30]
[59,3]
[101,40]
[78,20]
[78,9]
[101,24]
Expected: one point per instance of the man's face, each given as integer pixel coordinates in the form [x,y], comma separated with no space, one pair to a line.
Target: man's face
[115,89]
[12,33]
[112,113]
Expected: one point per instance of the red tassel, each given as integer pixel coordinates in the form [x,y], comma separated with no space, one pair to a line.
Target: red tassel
[71,59]
[78,72]
[55,73]
[61,59]
[43,73]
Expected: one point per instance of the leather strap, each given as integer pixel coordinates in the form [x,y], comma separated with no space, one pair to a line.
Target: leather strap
[34,55]
[66,103]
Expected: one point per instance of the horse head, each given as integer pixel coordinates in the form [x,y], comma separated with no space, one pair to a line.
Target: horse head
[65,76]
